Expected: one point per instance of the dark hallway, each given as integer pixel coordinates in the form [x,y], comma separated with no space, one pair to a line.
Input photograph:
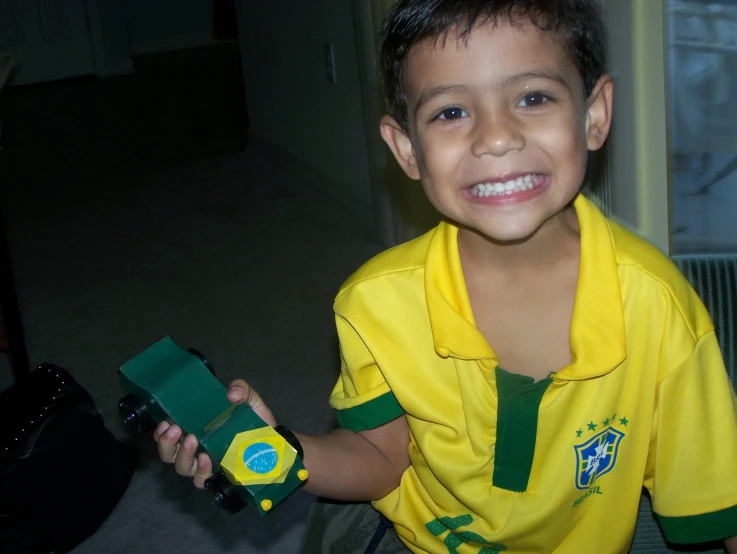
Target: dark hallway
[135,208]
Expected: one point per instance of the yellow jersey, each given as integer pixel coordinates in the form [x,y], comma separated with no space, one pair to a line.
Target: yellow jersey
[502,463]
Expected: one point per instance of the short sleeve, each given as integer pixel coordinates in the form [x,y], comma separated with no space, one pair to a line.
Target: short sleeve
[693,461]
[361,398]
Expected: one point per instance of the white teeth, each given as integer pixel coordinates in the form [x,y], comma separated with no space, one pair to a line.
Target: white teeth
[482,190]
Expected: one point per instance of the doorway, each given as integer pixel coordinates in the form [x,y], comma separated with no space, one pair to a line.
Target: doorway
[49,39]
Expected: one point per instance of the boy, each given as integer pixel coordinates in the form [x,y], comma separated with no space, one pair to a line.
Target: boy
[511,379]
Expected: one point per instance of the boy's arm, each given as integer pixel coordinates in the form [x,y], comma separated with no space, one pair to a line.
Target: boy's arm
[731,545]
[343,465]
[368,465]
[694,448]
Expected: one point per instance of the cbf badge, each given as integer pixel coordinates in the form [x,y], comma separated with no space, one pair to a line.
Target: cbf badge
[596,457]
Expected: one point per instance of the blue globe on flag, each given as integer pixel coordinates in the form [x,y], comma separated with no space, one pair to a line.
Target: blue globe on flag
[260,457]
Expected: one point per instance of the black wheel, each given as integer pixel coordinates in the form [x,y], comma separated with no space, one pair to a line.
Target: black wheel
[224,493]
[135,413]
[203,359]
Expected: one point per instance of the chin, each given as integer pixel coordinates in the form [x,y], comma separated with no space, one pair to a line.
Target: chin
[510,238]
[516,232]
[507,235]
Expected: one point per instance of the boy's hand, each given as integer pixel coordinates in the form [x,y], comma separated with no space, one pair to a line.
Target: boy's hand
[182,455]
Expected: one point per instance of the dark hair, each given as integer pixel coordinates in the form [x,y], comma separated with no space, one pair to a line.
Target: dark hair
[576,24]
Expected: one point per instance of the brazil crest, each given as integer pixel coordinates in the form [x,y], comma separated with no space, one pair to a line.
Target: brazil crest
[596,457]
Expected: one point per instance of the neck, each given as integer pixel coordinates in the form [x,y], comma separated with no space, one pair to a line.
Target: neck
[556,239]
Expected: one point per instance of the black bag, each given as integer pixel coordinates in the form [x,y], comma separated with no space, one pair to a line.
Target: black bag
[61,471]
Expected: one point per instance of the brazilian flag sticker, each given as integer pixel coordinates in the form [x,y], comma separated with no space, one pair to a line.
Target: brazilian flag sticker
[258,457]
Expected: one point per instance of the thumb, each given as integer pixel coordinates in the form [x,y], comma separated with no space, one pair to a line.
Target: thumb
[241,392]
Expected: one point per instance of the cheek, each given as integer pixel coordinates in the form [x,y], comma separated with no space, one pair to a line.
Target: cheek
[438,174]
[438,159]
[568,141]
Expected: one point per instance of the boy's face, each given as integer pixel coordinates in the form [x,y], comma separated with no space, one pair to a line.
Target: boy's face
[499,128]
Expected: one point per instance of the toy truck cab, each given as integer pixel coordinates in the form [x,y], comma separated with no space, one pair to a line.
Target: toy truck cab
[254,464]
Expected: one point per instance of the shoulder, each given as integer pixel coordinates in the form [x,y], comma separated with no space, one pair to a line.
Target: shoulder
[389,266]
[645,270]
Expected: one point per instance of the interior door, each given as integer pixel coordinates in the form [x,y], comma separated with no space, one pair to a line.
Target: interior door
[49,38]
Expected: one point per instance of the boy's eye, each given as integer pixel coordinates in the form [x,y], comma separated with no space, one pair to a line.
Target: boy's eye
[532,100]
[450,114]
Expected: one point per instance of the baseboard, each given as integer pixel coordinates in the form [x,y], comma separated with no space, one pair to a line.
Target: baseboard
[174,42]
[316,178]
[111,68]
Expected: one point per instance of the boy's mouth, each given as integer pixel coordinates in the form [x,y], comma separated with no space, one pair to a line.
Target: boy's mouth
[503,188]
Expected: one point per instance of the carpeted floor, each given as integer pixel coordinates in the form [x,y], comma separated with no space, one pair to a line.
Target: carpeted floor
[114,246]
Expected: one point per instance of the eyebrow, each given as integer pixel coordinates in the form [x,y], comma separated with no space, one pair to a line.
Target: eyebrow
[439,90]
[537,74]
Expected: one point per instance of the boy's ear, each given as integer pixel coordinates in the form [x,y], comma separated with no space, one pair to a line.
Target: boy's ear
[599,112]
[401,146]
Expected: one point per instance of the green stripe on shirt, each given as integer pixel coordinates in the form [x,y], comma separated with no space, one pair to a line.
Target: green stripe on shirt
[700,528]
[371,414]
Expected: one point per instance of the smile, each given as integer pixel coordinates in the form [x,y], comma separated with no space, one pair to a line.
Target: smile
[513,186]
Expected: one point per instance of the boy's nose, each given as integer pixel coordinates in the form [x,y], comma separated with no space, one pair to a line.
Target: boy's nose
[497,135]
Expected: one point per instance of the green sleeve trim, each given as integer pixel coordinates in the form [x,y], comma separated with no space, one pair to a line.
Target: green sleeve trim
[700,528]
[371,414]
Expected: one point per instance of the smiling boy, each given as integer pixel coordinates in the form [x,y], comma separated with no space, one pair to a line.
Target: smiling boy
[513,378]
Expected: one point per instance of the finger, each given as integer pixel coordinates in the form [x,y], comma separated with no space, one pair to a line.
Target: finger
[161,429]
[241,392]
[186,462]
[168,444]
[204,470]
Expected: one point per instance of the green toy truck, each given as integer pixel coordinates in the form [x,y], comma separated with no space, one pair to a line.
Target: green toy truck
[254,464]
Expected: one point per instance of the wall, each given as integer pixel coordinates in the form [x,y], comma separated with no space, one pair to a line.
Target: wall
[162,25]
[109,34]
[291,103]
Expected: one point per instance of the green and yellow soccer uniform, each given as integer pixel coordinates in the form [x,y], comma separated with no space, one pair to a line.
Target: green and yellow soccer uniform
[500,462]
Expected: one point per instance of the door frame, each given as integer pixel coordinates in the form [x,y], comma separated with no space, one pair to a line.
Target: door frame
[366,25]
[637,148]
[401,209]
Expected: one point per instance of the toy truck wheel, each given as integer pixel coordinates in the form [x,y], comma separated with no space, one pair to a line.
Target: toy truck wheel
[203,359]
[224,493]
[135,413]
